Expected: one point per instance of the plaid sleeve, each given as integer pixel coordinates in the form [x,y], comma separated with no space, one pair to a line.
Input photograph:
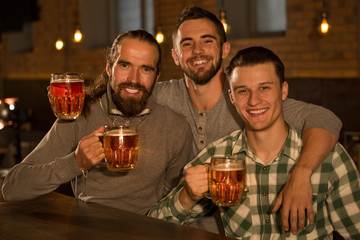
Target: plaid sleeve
[170,208]
[345,197]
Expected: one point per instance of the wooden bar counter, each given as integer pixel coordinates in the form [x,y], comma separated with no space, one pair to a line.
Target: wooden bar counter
[56,216]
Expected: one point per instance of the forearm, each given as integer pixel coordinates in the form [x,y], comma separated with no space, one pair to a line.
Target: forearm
[169,208]
[27,181]
[317,144]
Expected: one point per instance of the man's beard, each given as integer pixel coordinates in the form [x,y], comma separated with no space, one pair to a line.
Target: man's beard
[200,77]
[127,105]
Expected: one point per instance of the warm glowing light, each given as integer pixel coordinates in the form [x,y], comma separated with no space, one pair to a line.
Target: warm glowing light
[223,21]
[10,101]
[225,25]
[59,44]
[77,36]
[159,37]
[324,27]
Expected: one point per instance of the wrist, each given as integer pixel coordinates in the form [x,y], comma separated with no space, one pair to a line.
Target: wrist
[185,200]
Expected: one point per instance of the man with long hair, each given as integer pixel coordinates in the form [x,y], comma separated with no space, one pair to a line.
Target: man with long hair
[71,150]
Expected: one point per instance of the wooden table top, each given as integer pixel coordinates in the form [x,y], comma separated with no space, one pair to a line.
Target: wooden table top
[56,216]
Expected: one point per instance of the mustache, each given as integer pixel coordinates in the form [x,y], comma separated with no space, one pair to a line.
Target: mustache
[200,56]
[134,85]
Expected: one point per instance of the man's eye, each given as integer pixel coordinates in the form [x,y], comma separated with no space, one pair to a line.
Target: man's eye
[241,91]
[265,87]
[123,65]
[186,44]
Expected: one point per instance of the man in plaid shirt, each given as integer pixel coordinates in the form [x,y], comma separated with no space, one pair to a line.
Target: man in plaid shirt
[271,147]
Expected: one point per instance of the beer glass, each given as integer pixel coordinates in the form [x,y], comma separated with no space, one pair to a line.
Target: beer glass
[121,144]
[67,93]
[226,180]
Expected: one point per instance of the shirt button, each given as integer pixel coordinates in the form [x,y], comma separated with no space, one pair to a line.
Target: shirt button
[264,168]
[264,194]
[267,221]
[201,114]
[200,128]
[201,142]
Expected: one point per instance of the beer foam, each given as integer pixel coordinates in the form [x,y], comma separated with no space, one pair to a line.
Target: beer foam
[62,80]
[225,167]
[119,132]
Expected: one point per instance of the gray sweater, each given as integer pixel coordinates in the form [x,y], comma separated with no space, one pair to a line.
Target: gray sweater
[164,148]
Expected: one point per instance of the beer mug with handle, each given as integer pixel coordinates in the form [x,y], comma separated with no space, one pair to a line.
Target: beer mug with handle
[67,94]
[121,144]
[226,180]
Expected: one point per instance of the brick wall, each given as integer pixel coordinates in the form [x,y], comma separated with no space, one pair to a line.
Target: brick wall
[304,51]
[306,54]
[45,59]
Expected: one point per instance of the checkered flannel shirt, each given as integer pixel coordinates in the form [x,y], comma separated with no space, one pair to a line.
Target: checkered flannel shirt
[336,193]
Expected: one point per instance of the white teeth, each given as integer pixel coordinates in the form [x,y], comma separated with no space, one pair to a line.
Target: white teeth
[258,111]
[131,90]
[199,62]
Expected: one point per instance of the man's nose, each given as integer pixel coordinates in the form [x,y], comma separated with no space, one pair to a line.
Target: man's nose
[198,48]
[134,76]
[254,99]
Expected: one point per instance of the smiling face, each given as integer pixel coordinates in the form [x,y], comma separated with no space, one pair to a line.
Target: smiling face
[197,49]
[257,95]
[133,75]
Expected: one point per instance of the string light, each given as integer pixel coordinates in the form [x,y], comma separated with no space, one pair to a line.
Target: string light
[324,26]
[223,18]
[77,35]
[223,21]
[59,44]
[159,36]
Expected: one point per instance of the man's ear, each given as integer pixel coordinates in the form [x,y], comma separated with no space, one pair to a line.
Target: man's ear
[175,57]
[108,69]
[284,90]
[230,96]
[226,47]
[157,77]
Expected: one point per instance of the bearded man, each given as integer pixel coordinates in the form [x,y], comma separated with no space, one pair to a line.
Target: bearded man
[71,150]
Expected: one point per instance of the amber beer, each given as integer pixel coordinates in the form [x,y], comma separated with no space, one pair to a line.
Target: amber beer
[226,181]
[67,93]
[121,146]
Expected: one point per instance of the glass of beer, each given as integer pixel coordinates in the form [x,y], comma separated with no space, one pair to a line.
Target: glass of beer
[121,144]
[226,180]
[67,94]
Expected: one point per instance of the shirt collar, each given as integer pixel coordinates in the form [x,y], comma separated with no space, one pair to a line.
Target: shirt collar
[292,147]
[115,111]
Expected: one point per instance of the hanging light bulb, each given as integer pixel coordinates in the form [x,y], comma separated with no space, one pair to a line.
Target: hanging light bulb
[159,36]
[324,26]
[59,44]
[223,21]
[77,35]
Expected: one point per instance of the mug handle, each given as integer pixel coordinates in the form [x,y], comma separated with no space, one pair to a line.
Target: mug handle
[207,193]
